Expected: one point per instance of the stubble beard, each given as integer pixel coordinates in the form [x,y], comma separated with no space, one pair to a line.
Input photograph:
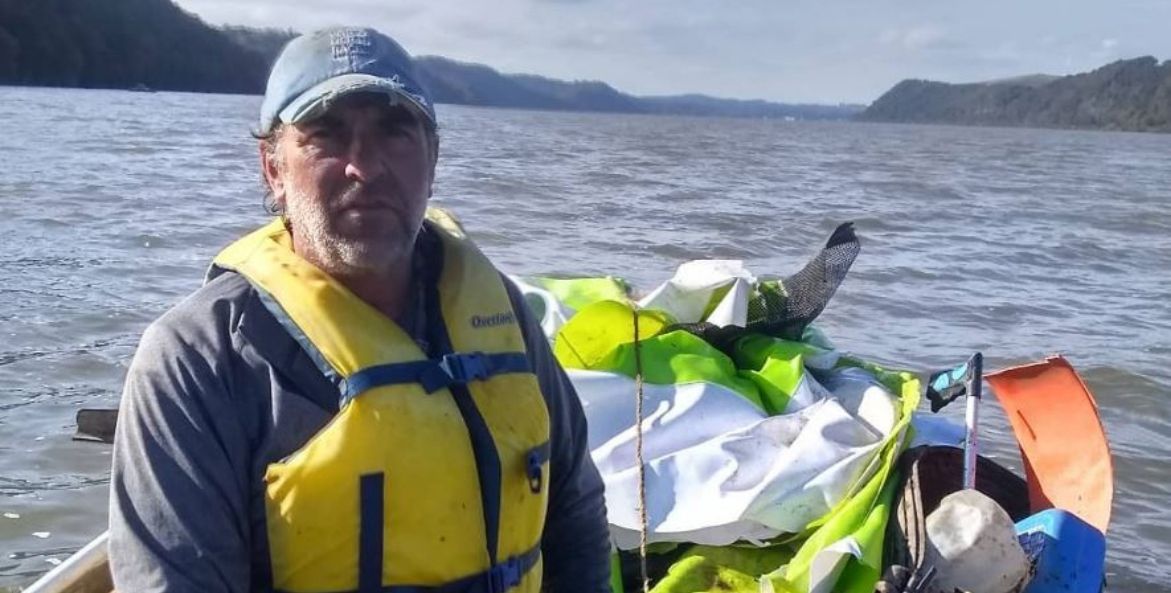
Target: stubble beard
[336,252]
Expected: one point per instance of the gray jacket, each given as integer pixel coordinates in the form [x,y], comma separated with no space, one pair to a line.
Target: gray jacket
[218,390]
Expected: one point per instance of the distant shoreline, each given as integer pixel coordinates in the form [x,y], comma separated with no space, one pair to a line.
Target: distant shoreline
[552,109]
[850,120]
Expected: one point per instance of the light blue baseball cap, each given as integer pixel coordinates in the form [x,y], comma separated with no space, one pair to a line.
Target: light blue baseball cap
[317,68]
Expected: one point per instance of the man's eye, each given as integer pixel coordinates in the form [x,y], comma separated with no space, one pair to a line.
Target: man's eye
[396,128]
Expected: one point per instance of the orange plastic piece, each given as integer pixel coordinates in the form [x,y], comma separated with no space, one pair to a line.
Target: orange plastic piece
[1067,459]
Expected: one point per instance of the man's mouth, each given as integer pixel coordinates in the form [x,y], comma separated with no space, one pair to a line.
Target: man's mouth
[360,199]
[364,206]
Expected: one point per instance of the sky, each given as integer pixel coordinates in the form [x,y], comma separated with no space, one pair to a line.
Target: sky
[793,51]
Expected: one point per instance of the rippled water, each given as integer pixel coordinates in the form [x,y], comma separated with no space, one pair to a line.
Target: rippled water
[1019,243]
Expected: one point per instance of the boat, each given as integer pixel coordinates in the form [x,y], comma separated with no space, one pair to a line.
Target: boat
[1074,475]
[87,571]
[598,330]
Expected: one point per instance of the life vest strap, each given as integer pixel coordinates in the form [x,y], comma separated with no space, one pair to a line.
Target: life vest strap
[370,545]
[498,579]
[435,374]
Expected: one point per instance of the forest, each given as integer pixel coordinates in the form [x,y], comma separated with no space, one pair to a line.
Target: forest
[1130,95]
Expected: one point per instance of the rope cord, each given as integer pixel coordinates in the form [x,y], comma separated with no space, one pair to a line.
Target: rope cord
[642,514]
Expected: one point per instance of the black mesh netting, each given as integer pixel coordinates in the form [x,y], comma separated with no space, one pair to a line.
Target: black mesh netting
[784,308]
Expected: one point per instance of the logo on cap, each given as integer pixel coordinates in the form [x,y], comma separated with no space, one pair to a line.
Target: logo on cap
[347,43]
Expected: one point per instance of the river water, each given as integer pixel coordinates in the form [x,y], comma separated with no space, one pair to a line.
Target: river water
[1018,243]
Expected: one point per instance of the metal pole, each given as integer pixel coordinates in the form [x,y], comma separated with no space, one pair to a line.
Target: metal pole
[972,419]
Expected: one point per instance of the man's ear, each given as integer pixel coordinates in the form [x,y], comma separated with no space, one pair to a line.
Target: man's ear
[270,168]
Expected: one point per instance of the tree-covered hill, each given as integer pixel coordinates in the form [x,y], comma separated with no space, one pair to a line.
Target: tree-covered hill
[121,44]
[154,43]
[474,84]
[1132,95]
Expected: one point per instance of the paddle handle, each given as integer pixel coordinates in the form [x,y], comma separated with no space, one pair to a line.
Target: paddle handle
[972,420]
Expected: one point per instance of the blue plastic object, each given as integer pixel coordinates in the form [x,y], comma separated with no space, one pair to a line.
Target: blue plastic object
[1069,554]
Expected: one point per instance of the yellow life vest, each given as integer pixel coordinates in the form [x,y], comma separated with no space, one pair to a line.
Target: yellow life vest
[433,477]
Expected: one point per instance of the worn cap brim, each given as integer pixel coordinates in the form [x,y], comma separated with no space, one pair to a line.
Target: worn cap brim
[318,99]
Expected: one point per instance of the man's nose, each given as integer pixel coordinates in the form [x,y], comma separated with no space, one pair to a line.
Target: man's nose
[365,163]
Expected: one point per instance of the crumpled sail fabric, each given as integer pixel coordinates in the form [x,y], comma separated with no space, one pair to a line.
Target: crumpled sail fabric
[720,470]
[780,438]
[686,297]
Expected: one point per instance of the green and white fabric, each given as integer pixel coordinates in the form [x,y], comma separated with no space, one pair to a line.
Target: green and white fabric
[781,441]
[719,470]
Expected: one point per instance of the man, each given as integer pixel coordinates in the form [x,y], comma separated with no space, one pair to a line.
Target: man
[355,400]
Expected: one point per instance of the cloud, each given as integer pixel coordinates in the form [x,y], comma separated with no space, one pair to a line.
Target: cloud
[918,38]
[1107,51]
[584,41]
[308,15]
[798,50]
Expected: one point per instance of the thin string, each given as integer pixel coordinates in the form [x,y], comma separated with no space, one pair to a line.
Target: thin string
[642,514]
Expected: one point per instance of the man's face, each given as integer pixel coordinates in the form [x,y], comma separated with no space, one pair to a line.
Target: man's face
[353,183]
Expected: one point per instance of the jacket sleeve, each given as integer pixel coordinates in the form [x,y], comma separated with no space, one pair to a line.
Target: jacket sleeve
[178,491]
[576,543]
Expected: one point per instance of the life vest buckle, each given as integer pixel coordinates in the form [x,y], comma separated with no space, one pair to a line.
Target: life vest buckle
[465,367]
[504,576]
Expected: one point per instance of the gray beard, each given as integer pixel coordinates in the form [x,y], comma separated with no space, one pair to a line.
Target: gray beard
[335,253]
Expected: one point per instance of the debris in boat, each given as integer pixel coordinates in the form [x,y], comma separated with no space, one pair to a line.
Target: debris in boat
[53,561]
[41,534]
[968,534]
